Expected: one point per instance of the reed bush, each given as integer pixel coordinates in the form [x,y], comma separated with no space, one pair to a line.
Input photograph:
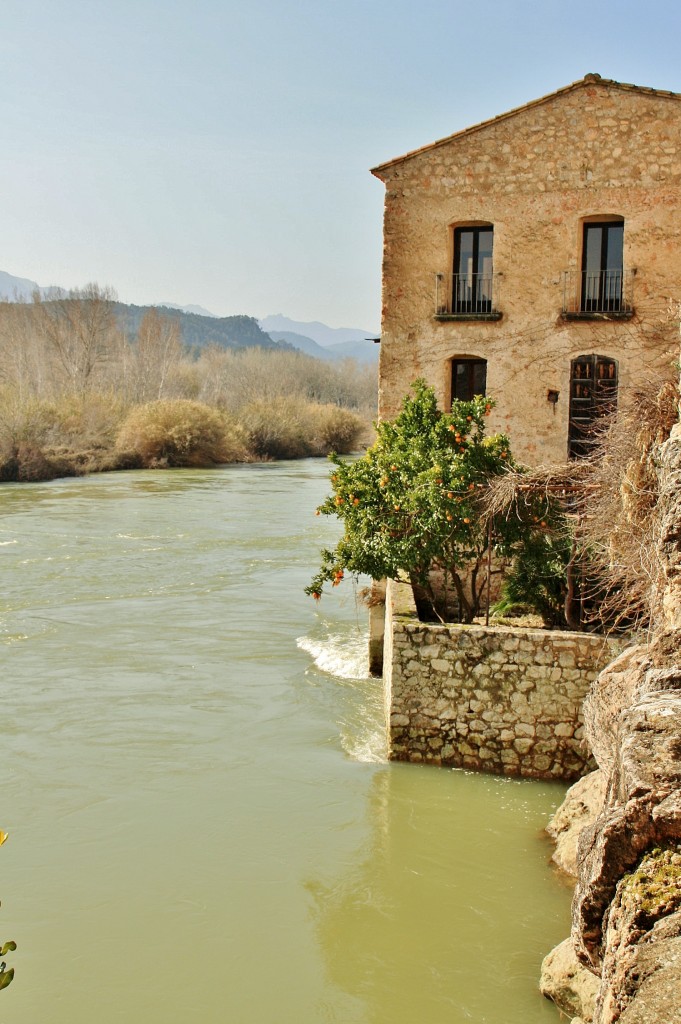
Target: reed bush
[179,432]
[336,430]
[288,428]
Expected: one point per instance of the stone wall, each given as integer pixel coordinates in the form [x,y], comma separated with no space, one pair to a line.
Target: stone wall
[597,149]
[487,698]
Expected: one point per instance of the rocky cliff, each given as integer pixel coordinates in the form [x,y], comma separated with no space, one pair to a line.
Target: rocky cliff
[627,908]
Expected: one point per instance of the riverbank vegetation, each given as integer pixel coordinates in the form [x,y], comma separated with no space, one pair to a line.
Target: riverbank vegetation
[78,394]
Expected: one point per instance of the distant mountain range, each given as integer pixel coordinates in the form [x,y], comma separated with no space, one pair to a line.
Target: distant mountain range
[200,331]
[201,328]
[200,310]
[17,289]
[321,341]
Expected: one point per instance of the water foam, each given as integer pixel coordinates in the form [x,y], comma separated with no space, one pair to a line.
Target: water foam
[361,725]
[343,656]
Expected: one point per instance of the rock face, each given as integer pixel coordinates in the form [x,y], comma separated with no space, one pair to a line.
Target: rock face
[643,803]
[627,906]
[582,804]
[570,985]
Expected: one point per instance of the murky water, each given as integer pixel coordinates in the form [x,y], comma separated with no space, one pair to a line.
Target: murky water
[203,826]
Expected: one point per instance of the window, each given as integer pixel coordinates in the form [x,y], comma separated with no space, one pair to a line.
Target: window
[469,378]
[602,266]
[593,394]
[472,278]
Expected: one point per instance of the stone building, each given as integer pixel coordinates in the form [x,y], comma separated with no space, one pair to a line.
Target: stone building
[535,258]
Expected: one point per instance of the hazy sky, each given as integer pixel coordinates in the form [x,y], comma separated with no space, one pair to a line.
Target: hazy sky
[218,153]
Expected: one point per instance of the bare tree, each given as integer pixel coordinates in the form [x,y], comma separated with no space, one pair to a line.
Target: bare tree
[155,355]
[23,363]
[79,329]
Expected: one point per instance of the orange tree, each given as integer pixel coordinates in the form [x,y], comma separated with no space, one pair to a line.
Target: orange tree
[411,506]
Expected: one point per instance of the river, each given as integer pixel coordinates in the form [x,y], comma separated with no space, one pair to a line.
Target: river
[203,826]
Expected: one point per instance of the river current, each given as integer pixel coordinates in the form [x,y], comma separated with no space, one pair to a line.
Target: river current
[203,825]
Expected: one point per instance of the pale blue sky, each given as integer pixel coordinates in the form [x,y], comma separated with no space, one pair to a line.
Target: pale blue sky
[218,153]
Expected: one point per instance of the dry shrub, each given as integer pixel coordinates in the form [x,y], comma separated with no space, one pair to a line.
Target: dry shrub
[235,378]
[619,515]
[84,422]
[287,428]
[336,430]
[25,427]
[179,432]
[41,439]
[611,503]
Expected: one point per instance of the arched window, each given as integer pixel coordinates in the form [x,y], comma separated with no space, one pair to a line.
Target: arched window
[593,395]
[469,377]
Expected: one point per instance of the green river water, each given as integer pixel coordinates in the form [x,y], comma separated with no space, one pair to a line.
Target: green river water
[203,826]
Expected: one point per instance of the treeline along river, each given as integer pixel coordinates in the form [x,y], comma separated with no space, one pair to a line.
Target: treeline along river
[203,826]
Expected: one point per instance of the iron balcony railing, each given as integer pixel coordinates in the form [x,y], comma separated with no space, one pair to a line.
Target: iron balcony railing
[474,295]
[598,293]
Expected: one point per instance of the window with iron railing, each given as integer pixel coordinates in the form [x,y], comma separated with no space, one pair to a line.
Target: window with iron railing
[470,291]
[603,288]
[472,277]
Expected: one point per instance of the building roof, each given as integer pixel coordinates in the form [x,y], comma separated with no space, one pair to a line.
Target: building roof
[589,79]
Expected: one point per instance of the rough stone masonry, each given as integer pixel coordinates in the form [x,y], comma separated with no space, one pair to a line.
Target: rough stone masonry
[494,699]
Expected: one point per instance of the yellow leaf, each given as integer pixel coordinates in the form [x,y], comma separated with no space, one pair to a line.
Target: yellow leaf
[4,836]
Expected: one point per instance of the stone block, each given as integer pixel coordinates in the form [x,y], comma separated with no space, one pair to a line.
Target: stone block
[398,721]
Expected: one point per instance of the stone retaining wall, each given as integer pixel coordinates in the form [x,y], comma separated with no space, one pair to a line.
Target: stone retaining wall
[495,699]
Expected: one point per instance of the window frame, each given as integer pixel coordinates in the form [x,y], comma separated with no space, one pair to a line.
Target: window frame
[602,289]
[594,387]
[470,363]
[477,297]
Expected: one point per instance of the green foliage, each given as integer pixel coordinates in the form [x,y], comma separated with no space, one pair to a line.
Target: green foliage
[412,505]
[537,578]
[6,976]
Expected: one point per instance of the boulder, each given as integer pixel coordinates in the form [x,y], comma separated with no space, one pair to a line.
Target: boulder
[570,985]
[582,804]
